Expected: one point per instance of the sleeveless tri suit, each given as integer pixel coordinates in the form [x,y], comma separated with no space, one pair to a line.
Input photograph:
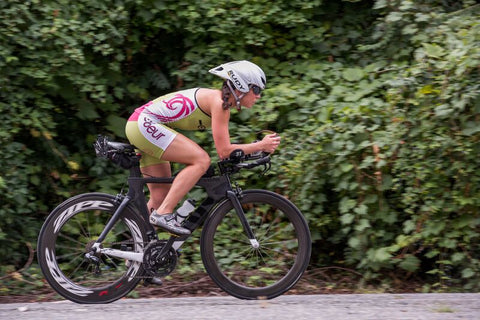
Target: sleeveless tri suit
[151,127]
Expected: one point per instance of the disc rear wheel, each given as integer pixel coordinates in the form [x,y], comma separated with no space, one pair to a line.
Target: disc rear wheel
[67,259]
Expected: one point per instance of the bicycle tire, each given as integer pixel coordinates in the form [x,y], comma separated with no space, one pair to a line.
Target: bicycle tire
[67,235]
[262,273]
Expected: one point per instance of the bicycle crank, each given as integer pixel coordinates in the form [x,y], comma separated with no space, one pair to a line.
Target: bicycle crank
[157,265]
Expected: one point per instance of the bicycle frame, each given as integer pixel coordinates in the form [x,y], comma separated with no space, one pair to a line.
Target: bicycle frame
[217,188]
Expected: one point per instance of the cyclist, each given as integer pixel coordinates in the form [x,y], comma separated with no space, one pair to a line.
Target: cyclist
[151,128]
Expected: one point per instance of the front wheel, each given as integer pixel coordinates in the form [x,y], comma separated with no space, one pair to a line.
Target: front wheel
[68,235]
[241,268]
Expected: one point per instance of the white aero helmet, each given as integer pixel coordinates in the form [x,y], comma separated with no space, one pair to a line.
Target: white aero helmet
[242,74]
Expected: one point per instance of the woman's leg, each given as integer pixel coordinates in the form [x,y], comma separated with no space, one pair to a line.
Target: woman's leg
[162,143]
[185,151]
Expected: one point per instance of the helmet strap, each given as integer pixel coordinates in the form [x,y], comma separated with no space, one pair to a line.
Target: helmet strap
[237,98]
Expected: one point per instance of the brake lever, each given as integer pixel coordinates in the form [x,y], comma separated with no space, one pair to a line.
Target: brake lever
[267,166]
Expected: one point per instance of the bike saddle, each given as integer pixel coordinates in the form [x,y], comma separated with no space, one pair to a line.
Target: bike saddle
[121,147]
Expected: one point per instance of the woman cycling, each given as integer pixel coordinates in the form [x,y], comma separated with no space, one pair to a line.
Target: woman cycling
[151,129]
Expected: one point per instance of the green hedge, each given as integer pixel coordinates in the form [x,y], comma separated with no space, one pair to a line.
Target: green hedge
[387,169]
[377,103]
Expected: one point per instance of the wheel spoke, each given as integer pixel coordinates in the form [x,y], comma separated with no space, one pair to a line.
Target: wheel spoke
[248,272]
[70,238]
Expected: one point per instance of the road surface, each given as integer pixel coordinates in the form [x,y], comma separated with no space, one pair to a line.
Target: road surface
[321,307]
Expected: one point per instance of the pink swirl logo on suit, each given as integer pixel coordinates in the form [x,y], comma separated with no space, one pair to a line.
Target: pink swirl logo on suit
[175,109]
[157,113]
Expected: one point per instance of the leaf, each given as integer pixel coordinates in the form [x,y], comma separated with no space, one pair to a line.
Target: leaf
[116,125]
[433,50]
[353,74]
[361,210]
[87,112]
[443,111]
[410,263]
[471,128]
[362,225]
[394,16]
[408,226]
[73,165]
[381,255]
[346,167]
[410,29]
[379,4]
[458,256]
[347,204]
[467,273]
[346,219]
[354,242]
[426,89]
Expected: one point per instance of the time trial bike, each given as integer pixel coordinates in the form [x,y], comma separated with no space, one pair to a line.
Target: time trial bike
[96,247]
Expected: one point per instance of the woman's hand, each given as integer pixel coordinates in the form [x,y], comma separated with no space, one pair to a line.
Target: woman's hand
[270,142]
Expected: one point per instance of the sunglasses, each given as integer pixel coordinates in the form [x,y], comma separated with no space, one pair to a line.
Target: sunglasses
[256,89]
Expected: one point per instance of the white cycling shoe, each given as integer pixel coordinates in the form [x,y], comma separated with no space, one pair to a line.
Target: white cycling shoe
[168,223]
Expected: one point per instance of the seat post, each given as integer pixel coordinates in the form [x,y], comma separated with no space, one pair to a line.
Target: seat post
[136,182]
[135,171]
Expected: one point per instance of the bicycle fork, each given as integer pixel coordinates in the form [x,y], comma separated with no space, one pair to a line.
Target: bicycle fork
[232,196]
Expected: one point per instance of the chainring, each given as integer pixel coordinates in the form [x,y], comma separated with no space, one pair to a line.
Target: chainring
[156,265]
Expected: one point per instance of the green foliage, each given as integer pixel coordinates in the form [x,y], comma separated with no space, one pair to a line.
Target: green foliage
[387,167]
[61,83]
[377,103]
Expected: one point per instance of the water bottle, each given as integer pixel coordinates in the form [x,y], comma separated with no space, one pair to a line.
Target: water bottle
[186,208]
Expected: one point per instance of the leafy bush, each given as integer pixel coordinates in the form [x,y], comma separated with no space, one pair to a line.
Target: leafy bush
[377,103]
[386,170]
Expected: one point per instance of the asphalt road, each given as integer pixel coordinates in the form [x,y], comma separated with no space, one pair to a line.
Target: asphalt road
[331,307]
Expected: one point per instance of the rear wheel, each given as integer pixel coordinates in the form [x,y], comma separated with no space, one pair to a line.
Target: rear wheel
[268,271]
[68,235]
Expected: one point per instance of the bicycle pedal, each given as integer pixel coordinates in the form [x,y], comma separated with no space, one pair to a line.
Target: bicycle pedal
[154,280]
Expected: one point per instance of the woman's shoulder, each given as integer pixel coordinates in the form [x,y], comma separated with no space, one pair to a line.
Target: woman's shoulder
[209,93]
[209,98]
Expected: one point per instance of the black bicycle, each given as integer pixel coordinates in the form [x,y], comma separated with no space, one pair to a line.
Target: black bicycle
[96,247]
